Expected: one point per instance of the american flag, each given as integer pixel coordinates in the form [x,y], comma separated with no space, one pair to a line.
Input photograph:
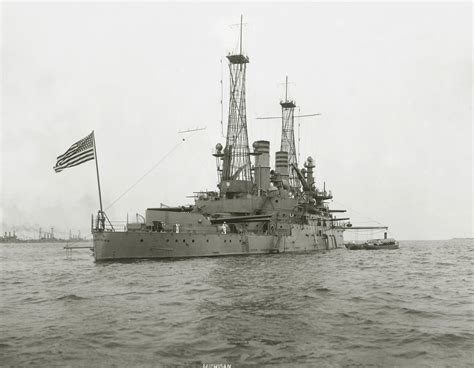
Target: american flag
[78,153]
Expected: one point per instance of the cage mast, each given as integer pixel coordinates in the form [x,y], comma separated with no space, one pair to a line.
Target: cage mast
[288,135]
[236,165]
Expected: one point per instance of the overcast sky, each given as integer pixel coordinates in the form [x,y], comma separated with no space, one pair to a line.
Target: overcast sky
[392,82]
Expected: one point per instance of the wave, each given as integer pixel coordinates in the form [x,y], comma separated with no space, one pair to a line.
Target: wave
[411,354]
[129,293]
[71,297]
[451,339]
[171,304]
[34,300]
[443,339]
[421,313]
[323,289]
[194,290]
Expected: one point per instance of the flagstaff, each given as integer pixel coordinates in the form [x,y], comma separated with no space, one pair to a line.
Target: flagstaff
[101,218]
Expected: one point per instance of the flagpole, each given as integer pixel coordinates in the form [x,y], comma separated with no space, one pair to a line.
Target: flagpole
[98,183]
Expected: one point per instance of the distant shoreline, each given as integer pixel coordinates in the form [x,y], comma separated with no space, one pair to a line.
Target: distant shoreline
[21,241]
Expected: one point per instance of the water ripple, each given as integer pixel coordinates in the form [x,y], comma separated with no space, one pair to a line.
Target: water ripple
[410,307]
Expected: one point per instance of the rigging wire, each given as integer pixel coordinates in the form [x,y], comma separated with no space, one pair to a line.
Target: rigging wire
[222,101]
[148,172]
[144,175]
[299,135]
[371,219]
[138,181]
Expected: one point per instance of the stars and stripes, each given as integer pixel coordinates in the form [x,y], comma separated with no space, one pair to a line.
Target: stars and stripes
[78,153]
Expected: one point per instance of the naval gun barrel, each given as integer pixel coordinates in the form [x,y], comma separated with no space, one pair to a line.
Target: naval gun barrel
[237,219]
[365,227]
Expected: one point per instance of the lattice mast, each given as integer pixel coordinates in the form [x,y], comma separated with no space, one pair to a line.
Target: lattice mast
[236,165]
[288,136]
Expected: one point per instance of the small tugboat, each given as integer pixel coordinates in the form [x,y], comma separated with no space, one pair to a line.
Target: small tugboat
[373,244]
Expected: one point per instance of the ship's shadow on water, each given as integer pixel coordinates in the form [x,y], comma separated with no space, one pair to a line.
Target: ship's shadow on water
[108,262]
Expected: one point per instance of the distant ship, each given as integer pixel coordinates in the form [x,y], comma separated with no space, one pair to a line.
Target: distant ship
[256,209]
[9,238]
[43,237]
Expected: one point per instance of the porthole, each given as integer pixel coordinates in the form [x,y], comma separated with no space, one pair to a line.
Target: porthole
[207,240]
[184,240]
[176,241]
[225,241]
[167,240]
[193,240]
[230,241]
[141,240]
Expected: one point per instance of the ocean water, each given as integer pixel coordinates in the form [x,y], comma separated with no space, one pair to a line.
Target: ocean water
[407,307]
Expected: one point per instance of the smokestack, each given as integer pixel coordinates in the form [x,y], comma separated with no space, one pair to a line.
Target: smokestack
[262,164]
[309,164]
[281,162]
[281,165]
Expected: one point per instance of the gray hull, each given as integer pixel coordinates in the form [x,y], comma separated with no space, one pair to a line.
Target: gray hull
[143,244]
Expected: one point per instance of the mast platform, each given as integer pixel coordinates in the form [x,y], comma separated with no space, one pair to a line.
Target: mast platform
[238,59]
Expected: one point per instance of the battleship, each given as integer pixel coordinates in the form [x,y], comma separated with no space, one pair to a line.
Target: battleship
[43,237]
[9,237]
[256,209]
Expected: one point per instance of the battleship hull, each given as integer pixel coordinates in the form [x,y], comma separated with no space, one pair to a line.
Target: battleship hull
[142,244]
